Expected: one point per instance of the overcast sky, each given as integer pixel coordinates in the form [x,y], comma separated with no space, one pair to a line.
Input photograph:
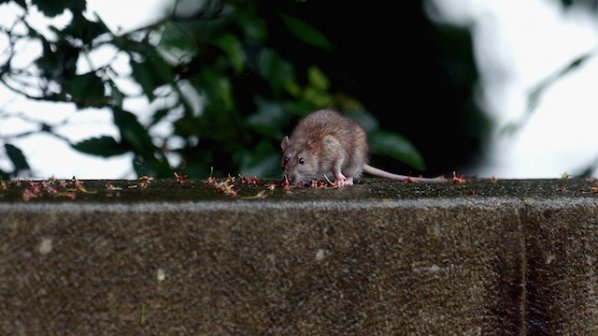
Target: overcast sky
[517,45]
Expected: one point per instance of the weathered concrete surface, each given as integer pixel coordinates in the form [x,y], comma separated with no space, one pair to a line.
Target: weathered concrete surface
[504,258]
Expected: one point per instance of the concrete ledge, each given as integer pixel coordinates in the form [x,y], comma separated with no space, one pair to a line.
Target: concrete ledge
[315,262]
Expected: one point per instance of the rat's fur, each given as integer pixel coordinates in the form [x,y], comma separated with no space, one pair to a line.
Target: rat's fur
[326,144]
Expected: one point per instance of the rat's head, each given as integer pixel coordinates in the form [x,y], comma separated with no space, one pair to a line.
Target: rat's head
[299,161]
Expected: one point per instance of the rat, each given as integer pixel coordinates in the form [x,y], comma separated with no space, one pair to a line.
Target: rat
[326,143]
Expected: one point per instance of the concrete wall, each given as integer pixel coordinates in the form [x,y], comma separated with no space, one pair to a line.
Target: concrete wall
[466,265]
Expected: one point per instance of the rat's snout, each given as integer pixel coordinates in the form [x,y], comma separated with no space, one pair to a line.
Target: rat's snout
[292,178]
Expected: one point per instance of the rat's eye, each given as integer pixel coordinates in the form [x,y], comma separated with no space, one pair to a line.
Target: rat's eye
[286,159]
[301,160]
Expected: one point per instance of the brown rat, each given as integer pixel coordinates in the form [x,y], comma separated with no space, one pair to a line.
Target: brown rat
[325,144]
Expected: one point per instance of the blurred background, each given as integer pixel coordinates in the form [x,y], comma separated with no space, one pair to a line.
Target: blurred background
[120,89]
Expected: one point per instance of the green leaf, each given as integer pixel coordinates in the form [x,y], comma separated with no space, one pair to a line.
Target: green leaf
[188,126]
[86,88]
[132,132]
[159,114]
[188,35]
[104,146]
[396,146]
[142,168]
[152,73]
[318,98]
[52,8]
[143,76]
[269,119]
[48,63]
[279,72]
[173,36]
[16,157]
[225,92]
[218,88]
[58,60]
[163,73]
[117,96]
[84,29]
[178,36]
[233,48]
[306,32]
[150,166]
[254,27]
[317,78]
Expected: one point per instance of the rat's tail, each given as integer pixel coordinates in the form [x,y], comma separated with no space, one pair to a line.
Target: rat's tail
[382,173]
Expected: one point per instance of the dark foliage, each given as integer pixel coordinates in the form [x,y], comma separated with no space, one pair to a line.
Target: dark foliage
[256,67]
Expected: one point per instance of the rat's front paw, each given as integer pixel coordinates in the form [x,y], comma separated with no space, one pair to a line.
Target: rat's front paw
[342,181]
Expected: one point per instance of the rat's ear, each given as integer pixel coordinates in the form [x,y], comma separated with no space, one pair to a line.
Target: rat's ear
[285,143]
